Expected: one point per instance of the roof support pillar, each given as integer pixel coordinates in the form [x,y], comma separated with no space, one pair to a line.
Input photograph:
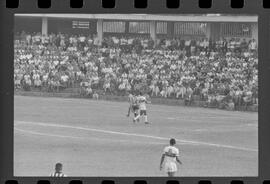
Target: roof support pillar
[44,26]
[153,30]
[100,30]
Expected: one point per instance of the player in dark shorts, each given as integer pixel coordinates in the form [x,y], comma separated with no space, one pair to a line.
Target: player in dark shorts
[135,110]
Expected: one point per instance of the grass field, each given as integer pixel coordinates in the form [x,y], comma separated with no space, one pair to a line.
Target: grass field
[95,138]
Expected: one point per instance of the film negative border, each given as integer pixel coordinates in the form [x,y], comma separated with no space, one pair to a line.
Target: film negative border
[260,8]
[135,181]
[137,4]
[45,4]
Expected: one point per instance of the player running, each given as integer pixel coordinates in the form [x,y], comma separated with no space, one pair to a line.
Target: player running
[142,105]
[133,105]
[169,157]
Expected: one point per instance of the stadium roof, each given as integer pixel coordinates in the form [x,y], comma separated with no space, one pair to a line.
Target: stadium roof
[157,17]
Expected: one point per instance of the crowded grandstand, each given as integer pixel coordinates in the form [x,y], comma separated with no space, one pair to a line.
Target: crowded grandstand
[221,72]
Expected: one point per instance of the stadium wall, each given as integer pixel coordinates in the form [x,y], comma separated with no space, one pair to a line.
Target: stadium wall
[27,24]
[213,30]
[66,26]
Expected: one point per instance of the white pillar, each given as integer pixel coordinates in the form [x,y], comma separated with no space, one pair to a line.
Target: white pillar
[208,30]
[44,26]
[254,31]
[153,30]
[100,30]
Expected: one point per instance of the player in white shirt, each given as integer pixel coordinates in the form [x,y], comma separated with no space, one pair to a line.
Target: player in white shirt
[142,108]
[169,158]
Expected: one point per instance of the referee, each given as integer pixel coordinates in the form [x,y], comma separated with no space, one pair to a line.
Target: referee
[58,171]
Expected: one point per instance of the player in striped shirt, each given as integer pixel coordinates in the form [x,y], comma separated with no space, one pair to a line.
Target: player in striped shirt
[133,105]
[58,171]
[131,100]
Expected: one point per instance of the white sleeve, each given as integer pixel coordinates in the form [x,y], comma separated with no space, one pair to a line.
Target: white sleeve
[165,150]
[177,152]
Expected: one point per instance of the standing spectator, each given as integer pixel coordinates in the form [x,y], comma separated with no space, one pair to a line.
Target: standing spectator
[252,45]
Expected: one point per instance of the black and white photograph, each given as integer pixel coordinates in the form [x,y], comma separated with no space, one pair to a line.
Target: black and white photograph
[135,95]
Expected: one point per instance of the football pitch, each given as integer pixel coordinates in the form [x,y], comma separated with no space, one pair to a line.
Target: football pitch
[95,138]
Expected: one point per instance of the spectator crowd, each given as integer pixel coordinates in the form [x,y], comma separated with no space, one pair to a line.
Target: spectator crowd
[222,72]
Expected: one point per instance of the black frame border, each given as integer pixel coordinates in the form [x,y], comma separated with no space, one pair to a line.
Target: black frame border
[251,7]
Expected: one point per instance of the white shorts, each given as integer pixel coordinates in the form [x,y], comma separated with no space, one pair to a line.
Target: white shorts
[170,167]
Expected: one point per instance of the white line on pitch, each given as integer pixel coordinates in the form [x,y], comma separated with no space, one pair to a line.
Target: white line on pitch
[74,137]
[45,134]
[137,135]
